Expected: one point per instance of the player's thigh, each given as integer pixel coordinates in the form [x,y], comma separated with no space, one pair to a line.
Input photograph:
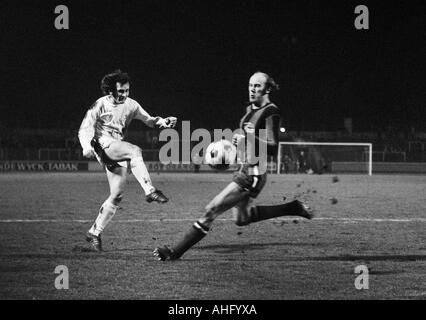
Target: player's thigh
[121,150]
[227,198]
[117,180]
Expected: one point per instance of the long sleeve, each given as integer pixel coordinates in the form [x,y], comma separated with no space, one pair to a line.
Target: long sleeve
[141,114]
[87,127]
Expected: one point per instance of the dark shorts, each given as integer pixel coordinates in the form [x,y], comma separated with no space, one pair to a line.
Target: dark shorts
[110,164]
[252,183]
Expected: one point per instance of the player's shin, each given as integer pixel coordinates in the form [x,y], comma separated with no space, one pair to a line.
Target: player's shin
[106,213]
[197,232]
[294,208]
[141,174]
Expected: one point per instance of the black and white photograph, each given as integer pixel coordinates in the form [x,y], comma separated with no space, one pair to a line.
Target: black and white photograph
[213,155]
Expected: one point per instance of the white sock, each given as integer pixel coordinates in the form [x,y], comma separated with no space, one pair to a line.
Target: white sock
[141,174]
[105,215]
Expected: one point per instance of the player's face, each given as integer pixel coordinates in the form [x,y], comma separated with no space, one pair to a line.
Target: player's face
[122,92]
[257,89]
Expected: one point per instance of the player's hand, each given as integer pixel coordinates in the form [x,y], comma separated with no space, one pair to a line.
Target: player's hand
[171,122]
[168,122]
[88,153]
[237,138]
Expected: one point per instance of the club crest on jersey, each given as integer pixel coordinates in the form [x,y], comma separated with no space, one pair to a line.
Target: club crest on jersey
[106,117]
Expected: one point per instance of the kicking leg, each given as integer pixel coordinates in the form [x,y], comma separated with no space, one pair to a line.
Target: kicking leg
[224,201]
[108,209]
[120,150]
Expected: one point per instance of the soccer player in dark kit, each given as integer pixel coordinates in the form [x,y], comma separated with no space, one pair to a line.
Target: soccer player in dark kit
[250,179]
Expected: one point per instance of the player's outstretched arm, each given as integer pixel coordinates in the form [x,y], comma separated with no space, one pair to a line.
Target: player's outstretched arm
[141,114]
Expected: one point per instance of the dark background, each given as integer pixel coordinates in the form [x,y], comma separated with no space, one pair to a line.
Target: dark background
[193,59]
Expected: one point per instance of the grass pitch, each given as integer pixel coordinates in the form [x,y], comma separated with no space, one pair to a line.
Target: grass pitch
[376,221]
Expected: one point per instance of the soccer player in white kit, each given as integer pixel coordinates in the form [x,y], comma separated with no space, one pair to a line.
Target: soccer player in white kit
[101,135]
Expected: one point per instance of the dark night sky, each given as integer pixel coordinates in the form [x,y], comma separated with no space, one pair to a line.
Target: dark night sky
[193,59]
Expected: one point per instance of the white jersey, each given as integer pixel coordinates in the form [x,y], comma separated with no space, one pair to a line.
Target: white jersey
[105,119]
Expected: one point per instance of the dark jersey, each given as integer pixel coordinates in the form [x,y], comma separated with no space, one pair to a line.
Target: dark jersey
[268,118]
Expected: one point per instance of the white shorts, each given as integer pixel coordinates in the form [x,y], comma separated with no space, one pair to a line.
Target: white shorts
[105,141]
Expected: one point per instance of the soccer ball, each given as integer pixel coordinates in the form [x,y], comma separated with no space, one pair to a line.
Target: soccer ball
[221,154]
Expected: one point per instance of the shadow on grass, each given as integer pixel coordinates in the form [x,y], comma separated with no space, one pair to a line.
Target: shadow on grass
[79,252]
[231,248]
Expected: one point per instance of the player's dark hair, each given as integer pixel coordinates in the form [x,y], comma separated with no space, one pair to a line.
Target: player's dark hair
[270,84]
[109,81]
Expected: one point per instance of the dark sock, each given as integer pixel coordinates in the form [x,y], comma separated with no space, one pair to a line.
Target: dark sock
[197,232]
[260,213]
